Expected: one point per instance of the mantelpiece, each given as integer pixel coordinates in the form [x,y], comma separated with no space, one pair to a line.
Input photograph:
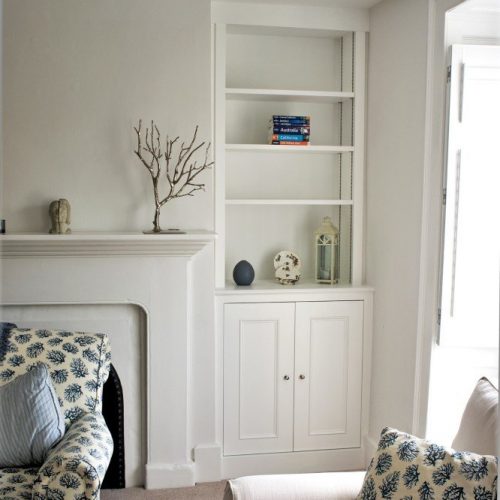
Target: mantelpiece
[95,243]
[152,272]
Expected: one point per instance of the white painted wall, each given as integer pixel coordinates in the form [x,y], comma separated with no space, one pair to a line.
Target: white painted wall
[1,111]
[395,166]
[400,390]
[77,77]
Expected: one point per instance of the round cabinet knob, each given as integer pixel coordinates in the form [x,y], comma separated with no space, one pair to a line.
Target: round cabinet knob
[286,377]
[302,377]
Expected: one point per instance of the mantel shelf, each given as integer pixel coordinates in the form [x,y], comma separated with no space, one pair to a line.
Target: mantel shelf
[90,244]
[288,95]
[289,149]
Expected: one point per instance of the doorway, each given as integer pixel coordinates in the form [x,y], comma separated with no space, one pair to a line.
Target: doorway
[467,346]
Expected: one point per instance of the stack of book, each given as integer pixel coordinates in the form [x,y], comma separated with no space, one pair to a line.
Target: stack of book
[290,130]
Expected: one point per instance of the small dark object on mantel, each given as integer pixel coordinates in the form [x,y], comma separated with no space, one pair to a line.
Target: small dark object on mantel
[243,273]
[2,226]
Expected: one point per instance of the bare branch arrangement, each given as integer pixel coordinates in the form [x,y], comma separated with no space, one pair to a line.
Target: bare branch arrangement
[181,170]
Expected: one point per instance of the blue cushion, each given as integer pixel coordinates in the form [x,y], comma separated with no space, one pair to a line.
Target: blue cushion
[31,421]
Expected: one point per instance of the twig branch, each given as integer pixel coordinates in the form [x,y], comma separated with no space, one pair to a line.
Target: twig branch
[179,173]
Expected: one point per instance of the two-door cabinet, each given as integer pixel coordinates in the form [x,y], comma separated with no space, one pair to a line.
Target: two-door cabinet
[293,362]
[293,378]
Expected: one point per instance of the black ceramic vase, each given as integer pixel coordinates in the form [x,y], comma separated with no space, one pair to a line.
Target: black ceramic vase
[243,273]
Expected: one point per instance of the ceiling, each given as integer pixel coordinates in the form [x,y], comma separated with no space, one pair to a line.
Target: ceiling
[468,5]
[363,4]
[486,6]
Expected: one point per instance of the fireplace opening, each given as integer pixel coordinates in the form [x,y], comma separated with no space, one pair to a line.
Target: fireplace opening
[112,411]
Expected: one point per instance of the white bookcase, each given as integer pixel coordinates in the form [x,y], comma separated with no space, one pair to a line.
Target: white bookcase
[271,198]
[294,371]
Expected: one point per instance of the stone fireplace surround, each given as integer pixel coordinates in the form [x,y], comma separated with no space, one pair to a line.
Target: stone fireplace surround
[152,272]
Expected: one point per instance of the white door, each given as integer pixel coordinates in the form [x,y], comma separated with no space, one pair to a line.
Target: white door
[470,284]
[328,371]
[258,378]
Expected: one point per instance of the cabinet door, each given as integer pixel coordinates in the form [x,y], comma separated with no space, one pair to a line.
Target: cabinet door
[258,378]
[328,371]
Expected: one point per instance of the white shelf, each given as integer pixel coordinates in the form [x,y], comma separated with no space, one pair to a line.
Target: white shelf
[288,95]
[103,243]
[273,286]
[288,149]
[254,201]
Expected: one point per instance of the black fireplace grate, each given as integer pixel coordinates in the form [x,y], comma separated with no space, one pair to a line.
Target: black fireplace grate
[112,410]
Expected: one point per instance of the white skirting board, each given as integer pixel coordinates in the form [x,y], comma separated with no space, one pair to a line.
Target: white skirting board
[169,476]
[295,462]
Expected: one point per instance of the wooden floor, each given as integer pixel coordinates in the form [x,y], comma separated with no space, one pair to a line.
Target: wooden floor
[203,491]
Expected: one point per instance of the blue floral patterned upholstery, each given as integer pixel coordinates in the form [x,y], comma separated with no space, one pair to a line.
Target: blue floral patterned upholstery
[79,365]
[409,468]
[78,463]
[17,483]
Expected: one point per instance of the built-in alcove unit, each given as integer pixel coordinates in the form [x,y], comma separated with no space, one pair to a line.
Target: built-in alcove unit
[273,197]
[294,365]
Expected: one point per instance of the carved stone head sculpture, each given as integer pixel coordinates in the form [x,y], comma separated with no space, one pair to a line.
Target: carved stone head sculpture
[60,216]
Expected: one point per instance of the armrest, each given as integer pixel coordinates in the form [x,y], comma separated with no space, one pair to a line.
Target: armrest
[312,486]
[76,466]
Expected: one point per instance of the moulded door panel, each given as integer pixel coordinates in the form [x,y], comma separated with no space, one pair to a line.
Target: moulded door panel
[258,378]
[328,374]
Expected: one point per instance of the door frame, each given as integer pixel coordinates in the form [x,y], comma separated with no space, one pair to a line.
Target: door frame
[432,208]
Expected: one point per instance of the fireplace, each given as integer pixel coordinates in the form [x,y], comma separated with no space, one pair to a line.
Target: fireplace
[151,274]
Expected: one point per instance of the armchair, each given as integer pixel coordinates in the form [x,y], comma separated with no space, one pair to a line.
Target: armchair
[477,433]
[79,365]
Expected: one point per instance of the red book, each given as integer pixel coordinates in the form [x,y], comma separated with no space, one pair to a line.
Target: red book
[291,143]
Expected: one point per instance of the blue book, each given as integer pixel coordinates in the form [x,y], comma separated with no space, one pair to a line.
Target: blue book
[290,123]
[290,137]
[291,117]
[284,129]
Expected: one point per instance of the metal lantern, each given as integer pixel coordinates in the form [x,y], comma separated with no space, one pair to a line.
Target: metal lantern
[326,242]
